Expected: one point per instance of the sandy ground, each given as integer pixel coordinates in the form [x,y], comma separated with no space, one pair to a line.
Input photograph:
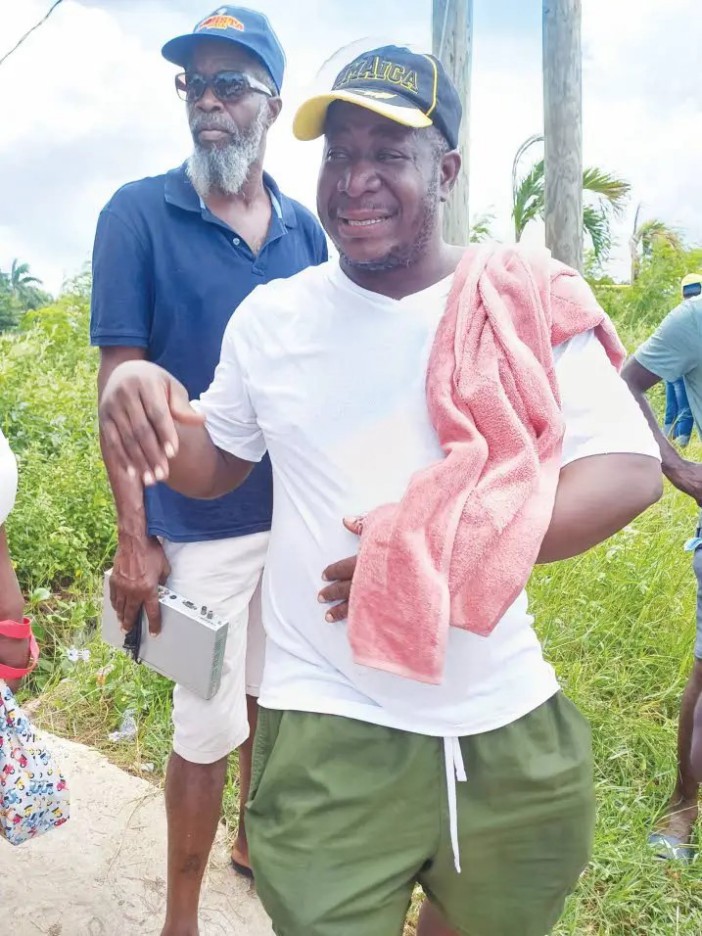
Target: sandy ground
[103,873]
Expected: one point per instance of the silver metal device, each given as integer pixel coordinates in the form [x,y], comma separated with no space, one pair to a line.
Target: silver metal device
[190,648]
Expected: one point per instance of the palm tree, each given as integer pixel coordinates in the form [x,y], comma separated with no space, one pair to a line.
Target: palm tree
[26,288]
[481,227]
[8,308]
[605,197]
[645,236]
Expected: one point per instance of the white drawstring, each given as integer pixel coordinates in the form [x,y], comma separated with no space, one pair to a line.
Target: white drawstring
[455,770]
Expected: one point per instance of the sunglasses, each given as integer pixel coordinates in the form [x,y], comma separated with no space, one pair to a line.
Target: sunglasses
[226,85]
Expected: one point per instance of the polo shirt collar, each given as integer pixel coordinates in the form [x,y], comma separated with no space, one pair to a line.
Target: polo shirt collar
[179,191]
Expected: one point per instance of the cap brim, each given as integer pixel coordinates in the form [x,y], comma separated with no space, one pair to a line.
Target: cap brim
[180,50]
[312,114]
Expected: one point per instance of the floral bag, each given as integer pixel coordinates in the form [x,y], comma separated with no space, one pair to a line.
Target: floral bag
[33,793]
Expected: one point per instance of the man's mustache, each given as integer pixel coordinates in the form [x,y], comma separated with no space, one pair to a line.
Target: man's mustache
[215,122]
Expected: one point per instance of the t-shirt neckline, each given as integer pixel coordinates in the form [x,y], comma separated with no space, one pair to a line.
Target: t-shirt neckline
[438,290]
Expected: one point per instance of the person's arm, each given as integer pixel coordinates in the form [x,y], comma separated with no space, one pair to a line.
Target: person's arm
[597,497]
[684,474]
[672,351]
[120,325]
[14,653]
[140,563]
[154,434]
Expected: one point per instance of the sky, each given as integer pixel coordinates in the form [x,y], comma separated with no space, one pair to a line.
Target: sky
[89,104]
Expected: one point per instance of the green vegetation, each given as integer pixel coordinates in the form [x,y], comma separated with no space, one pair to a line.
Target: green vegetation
[618,623]
[604,198]
[19,293]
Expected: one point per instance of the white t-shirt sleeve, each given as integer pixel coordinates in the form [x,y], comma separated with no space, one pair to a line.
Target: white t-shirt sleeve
[8,479]
[601,415]
[231,418]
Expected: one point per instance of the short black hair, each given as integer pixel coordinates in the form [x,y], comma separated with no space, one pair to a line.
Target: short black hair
[437,142]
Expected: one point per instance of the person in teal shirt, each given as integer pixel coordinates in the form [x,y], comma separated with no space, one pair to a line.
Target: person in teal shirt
[673,353]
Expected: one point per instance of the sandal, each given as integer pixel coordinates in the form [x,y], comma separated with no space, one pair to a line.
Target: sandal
[671,847]
[242,869]
[19,631]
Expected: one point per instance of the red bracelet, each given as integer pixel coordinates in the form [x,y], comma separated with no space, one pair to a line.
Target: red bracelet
[19,630]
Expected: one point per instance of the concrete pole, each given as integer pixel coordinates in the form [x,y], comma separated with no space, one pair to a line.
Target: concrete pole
[563,158]
[452,42]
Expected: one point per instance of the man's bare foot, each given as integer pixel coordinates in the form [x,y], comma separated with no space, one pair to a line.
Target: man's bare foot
[679,818]
[673,834]
[240,857]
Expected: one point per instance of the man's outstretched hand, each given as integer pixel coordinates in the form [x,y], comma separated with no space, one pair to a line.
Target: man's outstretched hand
[140,408]
[340,576]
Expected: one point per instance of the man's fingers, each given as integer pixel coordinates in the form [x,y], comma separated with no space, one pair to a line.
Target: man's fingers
[338,613]
[113,440]
[337,591]
[343,569]
[124,420]
[153,613]
[118,605]
[158,409]
[150,422]
[354,524]
[131,611]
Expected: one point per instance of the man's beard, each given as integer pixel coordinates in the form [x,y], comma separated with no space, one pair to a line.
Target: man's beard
[224,167]
[404,256]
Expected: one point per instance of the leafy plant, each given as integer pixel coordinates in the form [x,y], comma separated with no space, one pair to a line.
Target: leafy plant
[605,197]
[62,529]
[481,227]
[645,235]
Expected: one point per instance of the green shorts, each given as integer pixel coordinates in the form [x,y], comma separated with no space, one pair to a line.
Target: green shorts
[346,817]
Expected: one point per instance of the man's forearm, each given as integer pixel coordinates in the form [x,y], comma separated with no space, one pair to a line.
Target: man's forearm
[639,380]
[200,469]
[128,494]
[669,455]
[596,498]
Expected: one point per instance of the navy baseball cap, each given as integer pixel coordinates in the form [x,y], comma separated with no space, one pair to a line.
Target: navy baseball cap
[246,28]
[410,88]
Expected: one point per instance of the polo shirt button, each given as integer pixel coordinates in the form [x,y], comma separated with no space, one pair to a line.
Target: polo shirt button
[236,241]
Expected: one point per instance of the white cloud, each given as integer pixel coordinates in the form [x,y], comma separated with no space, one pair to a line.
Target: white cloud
[88,104]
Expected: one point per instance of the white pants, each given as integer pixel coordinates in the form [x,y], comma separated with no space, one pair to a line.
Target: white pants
[224,574]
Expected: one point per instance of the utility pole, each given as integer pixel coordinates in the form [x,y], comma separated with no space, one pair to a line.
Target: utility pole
[452,42]
[563,145]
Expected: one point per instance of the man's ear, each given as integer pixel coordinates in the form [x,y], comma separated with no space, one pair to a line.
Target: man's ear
[275,105]
[450,167]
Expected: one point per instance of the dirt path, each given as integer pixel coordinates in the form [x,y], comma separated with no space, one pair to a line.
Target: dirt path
[103,873]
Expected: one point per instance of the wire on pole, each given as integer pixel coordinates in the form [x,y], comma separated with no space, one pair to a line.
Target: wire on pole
[30,31]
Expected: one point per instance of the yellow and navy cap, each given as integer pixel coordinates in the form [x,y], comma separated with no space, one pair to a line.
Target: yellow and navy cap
[410,88]
[691,285]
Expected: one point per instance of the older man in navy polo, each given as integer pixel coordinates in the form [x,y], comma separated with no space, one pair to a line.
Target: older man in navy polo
[174,256]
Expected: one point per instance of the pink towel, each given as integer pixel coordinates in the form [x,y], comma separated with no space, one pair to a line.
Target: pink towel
[461,544]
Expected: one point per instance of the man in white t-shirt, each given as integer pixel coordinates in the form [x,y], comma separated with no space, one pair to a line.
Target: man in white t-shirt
[358,790]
